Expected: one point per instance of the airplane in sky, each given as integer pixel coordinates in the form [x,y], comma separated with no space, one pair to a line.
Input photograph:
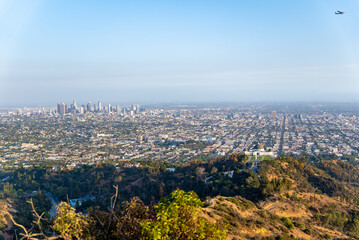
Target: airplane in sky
[339,12]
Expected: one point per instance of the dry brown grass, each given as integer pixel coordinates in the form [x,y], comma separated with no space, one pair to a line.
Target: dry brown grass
[288,209]
[297,211]
[333,233]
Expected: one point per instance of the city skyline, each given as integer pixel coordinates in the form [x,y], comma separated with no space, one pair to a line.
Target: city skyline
[270,104]
[63,108]
[160,52]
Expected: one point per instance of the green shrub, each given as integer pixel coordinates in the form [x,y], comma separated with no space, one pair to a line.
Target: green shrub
[177,218]
[307,231]
[298,225]
[2,226]
[288,223]
[262,214]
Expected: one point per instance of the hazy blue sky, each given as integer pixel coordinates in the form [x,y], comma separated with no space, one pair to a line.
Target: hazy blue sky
[184,50]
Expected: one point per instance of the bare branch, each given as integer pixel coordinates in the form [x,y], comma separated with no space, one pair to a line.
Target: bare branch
[114,199]
[99,220]
[39,217]
[28,233]
[15,223]
[113,204]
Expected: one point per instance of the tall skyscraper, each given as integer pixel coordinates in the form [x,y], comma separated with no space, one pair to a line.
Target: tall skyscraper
[89,107]
[61,108]
[99,106]
[58,107]
[138,109]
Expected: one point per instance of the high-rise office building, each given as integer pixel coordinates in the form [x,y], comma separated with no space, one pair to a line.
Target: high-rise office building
[89,107]
[61,108]
[58,107]
[138,109]
[99,106]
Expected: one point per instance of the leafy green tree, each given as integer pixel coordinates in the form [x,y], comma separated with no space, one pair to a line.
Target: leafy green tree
[69,224]
[177,217]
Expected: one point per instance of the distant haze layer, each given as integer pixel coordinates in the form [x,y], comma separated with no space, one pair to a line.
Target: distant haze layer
[178,51]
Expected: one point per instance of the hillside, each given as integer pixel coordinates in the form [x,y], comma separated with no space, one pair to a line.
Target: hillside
[278,199]
[309,209]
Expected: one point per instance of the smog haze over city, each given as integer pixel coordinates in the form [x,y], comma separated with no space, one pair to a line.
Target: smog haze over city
[178,51]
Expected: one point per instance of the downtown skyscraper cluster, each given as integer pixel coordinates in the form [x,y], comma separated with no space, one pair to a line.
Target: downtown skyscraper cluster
[62,108]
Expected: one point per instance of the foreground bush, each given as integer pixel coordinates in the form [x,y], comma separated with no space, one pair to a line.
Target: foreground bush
[177,217]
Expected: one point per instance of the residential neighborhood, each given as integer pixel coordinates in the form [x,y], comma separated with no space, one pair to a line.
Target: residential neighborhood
[175,134]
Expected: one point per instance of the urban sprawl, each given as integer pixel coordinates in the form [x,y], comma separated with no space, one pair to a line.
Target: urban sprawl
[88,134]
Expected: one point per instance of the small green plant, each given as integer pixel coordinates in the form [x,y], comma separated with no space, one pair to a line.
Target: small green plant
[288,223]
[298,225]
[307,231]
[2,226]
